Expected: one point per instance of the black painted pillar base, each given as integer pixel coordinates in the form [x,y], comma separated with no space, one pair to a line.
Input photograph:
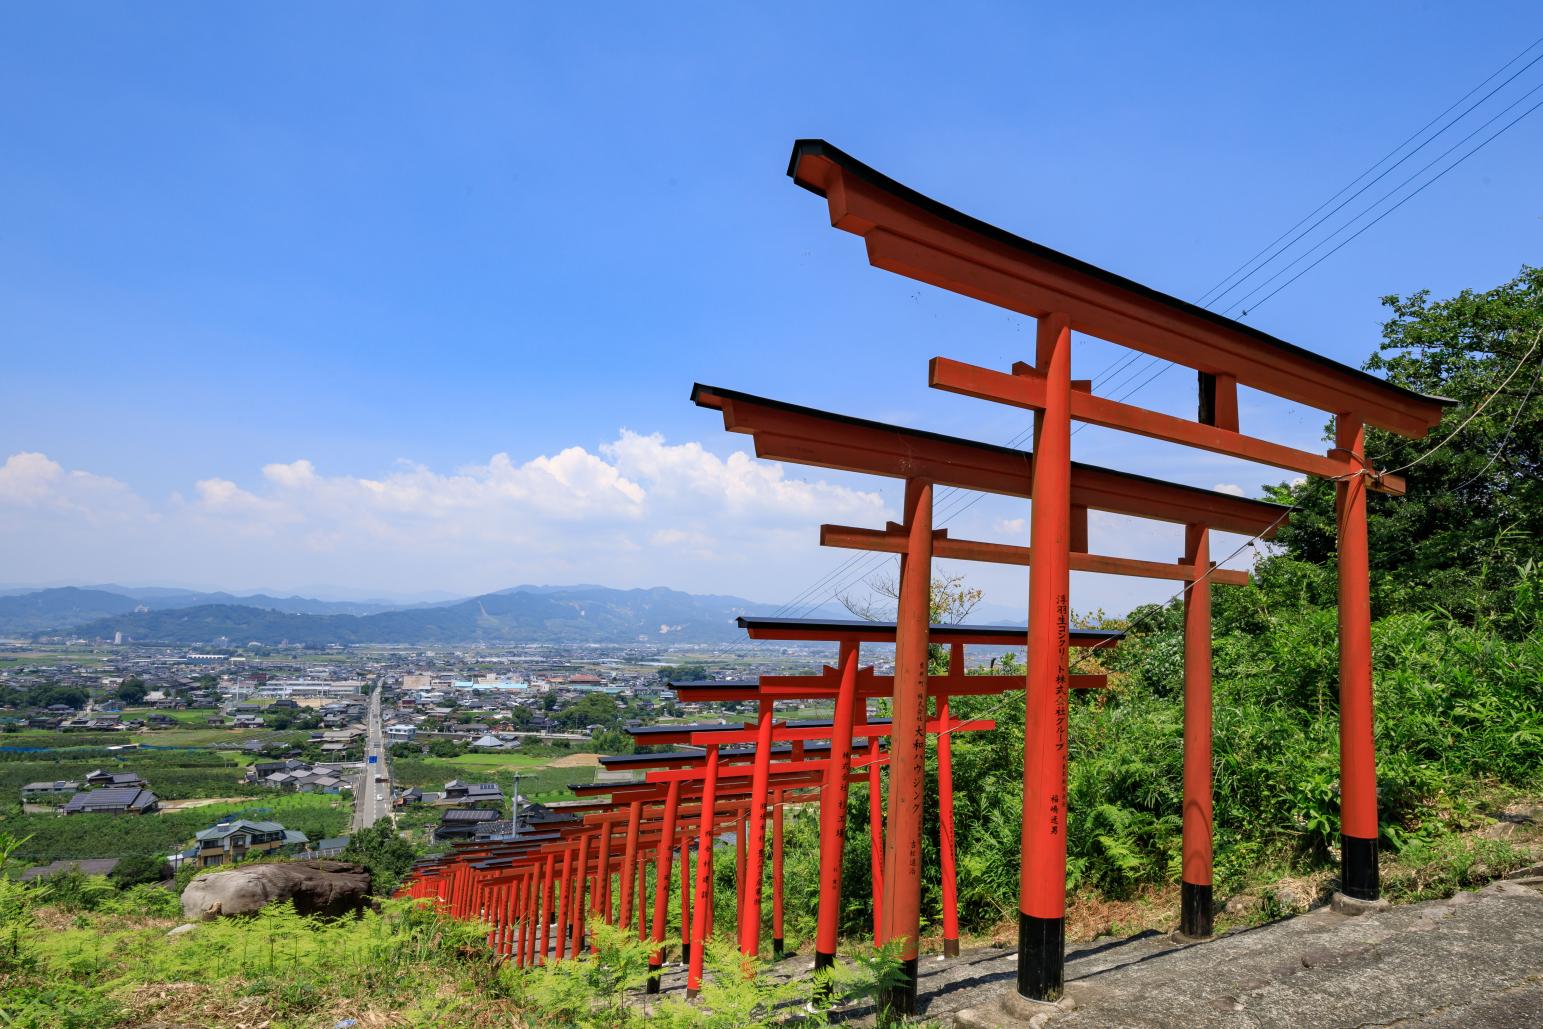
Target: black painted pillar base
[776,948]
[899,1001]
[653,977]
[950,948]
[1195,910]
[1041,957]
[685,953]
[1358,876]
[822,990]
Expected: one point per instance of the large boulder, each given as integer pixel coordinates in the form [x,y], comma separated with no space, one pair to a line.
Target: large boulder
[315,887]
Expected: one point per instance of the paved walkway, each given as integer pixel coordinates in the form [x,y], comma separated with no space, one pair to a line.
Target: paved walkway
[1474,960]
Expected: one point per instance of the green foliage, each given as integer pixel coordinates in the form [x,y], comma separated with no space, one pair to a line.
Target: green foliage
[132,690]
[1473,516]
[384,852]
[172,774]
[50,837]
[594,709]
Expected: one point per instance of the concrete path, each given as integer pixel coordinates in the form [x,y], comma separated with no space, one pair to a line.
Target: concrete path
[1475,960]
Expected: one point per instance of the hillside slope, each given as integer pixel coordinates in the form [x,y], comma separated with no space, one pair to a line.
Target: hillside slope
[585,614]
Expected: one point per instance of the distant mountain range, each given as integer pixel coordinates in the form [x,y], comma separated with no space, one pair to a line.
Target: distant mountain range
[66,606]
[524,614]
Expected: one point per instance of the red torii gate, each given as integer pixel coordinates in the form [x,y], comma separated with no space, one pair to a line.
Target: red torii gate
[678,770]
[803,435]
[913,235]
[850,687]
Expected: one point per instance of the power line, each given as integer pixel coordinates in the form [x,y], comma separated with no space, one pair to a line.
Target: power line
[1449,437]
[1423,186]
[1504,440]
[1207,297]
[1126,370]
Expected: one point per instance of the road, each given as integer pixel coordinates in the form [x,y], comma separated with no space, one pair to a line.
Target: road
[372,799]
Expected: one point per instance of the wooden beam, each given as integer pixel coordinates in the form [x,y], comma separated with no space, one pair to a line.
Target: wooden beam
[802,435]
[852,538]
[915,236]
[1025,388]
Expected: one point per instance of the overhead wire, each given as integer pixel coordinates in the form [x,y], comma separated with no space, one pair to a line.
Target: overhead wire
[1420,189]
[1130,369]
[1208,297]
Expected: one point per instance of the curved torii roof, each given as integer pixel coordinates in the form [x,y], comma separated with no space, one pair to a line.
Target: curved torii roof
[914,235]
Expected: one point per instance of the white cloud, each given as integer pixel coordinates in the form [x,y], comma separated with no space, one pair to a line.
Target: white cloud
[635,511]
[36,482]
[1229,487]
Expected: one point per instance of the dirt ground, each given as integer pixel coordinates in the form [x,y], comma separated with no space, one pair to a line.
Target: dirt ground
[183,805]
[576,761]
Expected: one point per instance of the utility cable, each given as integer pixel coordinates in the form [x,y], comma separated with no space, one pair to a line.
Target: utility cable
[1239,306]
[1386,171]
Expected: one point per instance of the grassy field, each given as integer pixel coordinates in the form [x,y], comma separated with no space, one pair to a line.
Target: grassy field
[540,778]
[50,837]
[218,738]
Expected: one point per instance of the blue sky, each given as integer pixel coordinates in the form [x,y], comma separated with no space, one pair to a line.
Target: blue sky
[377,245]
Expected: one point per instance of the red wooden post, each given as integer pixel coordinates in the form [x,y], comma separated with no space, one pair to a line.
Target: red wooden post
[521,939]
[946,813]
[580,879]
[662,882]
[1195,882]
[687,887]
[562,903]
[908,749]
[777,874]
[702,923]
[750,916]
[643,897]
[506,916]
[603,893]
[833,813]
[533,915]
[1042,887]
[546,906]
[876,836]
[629,863]
[1357,751]
[739,876]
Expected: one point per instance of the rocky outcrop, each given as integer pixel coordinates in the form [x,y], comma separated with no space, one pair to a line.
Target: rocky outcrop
[315,888]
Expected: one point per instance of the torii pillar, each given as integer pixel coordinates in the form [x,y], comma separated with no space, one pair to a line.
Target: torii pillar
[1042,883]
[1357,762]
[908,750]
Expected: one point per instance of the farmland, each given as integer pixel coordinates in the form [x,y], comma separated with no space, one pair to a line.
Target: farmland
[49,837]
[541,778]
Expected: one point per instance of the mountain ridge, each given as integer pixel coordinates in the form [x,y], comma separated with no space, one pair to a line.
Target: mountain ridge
[581,614]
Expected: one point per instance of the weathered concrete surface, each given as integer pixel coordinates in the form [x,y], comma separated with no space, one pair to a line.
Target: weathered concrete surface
[1475,960]
[315,887]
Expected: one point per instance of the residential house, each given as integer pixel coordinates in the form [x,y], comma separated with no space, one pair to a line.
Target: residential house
[236,840]
[401,732]
[462,823]
[101,778]
[56,790]
[249,721]
[85,866]
[114,800]
[331,847]
[472,794]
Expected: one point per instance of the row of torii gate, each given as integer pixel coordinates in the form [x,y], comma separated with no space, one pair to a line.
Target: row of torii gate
[735,775]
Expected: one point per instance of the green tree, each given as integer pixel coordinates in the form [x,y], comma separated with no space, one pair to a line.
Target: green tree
[132,690]
[595,709]
[140,868]
[382,850]
[1473,515]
